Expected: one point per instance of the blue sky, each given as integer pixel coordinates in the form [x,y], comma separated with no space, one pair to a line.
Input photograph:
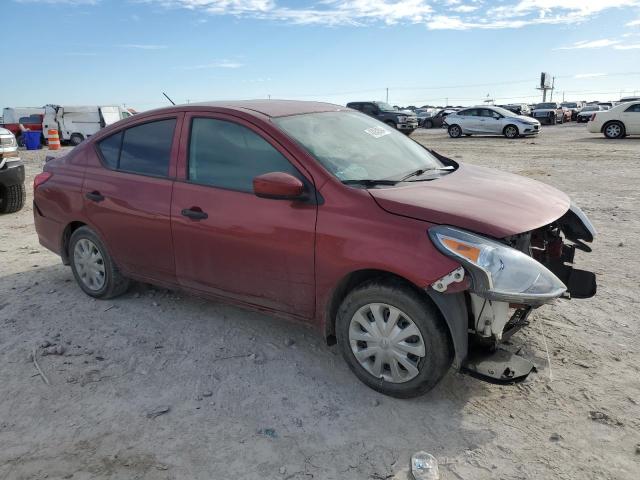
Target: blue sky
[425,51]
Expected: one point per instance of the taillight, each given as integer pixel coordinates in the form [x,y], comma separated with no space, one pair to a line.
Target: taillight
[40,179]
[593,117]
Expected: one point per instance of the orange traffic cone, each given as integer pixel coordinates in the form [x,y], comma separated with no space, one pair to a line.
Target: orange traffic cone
[53,139]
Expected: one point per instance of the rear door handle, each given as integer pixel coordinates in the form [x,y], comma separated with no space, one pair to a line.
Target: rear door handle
[194,213]
[95,196]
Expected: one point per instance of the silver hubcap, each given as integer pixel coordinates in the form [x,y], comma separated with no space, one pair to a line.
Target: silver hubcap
[89,264]
[455,131]
[386,342]
[613,130]
[511,132]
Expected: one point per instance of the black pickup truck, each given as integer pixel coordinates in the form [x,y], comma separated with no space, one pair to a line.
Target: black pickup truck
[404,120]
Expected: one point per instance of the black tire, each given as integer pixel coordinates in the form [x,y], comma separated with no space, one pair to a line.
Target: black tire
[12,198]
[553,120]
[391,124]
[438,352]
[511,131]
[427,124]
[467,134]
[617,130]
[454,131]
[115,283]
[76,139]
[20,140]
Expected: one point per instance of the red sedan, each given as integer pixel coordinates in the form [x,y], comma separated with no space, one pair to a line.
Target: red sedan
[324,215]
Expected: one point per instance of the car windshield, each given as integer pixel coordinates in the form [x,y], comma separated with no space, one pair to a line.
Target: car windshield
[590,108]
[570,105]
[353,146]
[545,105]
[385,107]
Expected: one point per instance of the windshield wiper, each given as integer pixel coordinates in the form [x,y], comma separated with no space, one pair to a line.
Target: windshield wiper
[368,182]
[422,171]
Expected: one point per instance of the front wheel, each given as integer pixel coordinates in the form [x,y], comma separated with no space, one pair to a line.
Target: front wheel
[93,267]
[12,198]
[553,120]
[393,339]
[455,131]
[511,131]
[614,130]
[76,139]
[427,124]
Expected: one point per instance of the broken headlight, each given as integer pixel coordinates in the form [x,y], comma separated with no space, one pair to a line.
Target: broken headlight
[498,271]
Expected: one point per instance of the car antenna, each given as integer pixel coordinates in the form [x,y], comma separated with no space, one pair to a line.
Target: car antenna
[172,102]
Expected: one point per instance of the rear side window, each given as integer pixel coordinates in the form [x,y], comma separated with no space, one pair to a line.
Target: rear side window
[634,108]
[143,149]
[110,149]
[227,155]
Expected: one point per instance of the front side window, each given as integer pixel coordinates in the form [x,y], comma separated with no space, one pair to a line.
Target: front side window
[353,146]
[369,108]
[143,149]
[227,155]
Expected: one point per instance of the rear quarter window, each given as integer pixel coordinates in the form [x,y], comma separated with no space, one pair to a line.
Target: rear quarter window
[143,149]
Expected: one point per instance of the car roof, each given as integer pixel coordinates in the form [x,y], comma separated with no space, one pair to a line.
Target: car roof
[268,108]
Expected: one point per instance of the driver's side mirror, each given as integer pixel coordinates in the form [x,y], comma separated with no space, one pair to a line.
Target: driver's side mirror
[278,186]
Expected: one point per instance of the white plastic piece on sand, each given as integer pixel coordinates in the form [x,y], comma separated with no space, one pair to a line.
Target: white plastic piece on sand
[424,466]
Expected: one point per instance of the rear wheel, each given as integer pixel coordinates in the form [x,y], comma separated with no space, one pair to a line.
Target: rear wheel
[393,339]
[427,124]
[12,198]
[455,131]
[552,120]
[511,131]
[76,139]
[93,267]
[614,130]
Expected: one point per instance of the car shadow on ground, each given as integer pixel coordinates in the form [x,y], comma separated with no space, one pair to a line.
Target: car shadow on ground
[237,379]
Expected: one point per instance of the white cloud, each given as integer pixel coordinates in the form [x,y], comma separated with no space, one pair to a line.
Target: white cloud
[67,2]
[139,46]
[635,23]
[448,14]
[632,46]
[589,75]
[605,42]
[216,64]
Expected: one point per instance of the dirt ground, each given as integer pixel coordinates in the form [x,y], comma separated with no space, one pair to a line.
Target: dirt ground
[253,397]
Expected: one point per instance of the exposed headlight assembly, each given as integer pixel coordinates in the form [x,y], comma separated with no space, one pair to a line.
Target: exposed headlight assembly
[498,272]
[402,119]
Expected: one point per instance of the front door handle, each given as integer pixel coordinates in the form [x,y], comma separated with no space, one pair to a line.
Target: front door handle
[194,213]
[95,196]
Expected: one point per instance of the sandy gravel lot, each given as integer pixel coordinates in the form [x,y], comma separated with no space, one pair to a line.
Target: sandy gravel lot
[252,397]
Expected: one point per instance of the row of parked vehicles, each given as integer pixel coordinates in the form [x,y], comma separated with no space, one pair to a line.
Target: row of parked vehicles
[73,123]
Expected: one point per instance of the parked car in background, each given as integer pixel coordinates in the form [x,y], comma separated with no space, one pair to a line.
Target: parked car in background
[437,119]
[75,123]
[606,105]
[12,191]
[17,119]
[490,120]
[460,252]
[585,113]
[549,113]
[517,108]
[423,114]
[573,107]
[618,122]
[629,99]
[404,120]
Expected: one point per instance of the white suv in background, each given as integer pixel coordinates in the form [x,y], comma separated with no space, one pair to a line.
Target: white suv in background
[489,120]
[620,121]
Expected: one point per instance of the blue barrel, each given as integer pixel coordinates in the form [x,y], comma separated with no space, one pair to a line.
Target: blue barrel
[31,140]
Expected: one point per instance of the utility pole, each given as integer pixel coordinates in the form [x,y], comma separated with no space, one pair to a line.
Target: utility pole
[269,96]
[446,101]
[553,83]
[387,94]
[563,96]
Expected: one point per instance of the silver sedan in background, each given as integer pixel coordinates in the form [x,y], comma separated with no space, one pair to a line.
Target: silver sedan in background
[490,120]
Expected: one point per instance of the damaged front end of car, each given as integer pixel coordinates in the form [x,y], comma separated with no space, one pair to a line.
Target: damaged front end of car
[503,281]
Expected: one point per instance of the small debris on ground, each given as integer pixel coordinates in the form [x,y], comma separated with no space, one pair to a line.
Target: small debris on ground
[268,432]
[289,341]
[602,417]
[555,437]
[424,466]
[156,412]
[208,393]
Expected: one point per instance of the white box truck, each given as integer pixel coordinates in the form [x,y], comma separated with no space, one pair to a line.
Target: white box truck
[75,123]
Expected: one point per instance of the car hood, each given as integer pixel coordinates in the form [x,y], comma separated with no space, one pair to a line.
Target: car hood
[524,118]
[479,199]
